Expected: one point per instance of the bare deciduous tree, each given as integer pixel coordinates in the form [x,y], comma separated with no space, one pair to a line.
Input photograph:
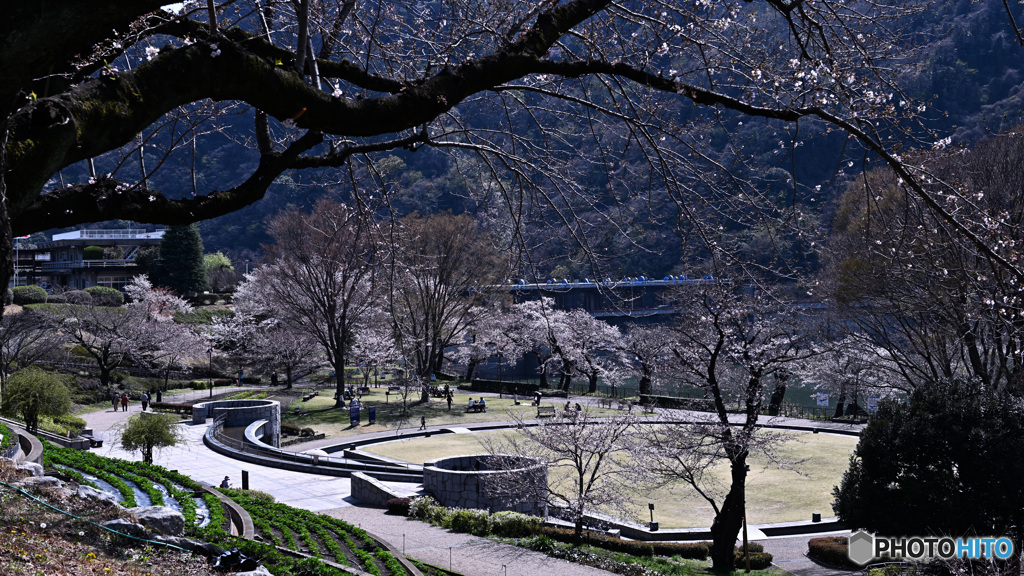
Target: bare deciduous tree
[591,463]
[440,271]
[320,277]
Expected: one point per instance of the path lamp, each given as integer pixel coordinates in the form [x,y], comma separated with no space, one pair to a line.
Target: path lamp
[210,371]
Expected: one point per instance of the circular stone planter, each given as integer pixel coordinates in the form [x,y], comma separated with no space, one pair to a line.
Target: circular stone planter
[243,413]
[489,482]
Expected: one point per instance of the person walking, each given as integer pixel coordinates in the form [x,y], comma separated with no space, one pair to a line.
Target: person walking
[124,401]
[423,422]
[114,400]
[144,399]
[449,399]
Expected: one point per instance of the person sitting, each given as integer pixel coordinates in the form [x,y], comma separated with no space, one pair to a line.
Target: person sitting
[578,407]
[471,404]
[483,404]
[226,482]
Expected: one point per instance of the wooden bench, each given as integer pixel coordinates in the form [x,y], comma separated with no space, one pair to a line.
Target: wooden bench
[94,442]
[604,402]
[477,407]
[394,388]
[649,408]
[545,411]
[626,405]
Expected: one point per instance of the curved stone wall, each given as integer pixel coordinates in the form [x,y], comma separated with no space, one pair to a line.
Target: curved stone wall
[243,413]
[489,482]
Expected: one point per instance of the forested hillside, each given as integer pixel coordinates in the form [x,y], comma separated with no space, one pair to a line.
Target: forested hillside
[968,71]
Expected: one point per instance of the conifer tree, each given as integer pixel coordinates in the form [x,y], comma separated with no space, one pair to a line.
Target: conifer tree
[181,260]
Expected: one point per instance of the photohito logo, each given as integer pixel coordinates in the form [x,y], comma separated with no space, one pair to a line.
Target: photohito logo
[864,546]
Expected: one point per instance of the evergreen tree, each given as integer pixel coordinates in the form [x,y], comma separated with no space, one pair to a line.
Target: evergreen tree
[945,462]
[181,260]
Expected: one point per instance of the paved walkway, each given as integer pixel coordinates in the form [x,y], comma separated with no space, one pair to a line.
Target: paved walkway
[466,554]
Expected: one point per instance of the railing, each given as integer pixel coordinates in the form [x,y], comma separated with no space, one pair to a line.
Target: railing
[56,266]
[339,462]
[108,235]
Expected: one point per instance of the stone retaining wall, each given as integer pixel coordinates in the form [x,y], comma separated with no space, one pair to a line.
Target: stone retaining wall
[370,492]
[487,482]
[242,413]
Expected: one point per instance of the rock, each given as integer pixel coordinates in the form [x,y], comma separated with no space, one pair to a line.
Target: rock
[40,482]
[31,467]
[160,519]
[195,546]
[261,571]
[90,493]
[126,527]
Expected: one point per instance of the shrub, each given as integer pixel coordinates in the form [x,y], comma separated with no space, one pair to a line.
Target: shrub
[634,547]
[33,294]
[56,299]
[399,506]
[690,550]
[758,560]
[92,253]
[80,297]
[289,430]
[514,524]
[426,508]
[105,296]
[469,521]
[73,424]
[832,550]
[8,297]
[306,432]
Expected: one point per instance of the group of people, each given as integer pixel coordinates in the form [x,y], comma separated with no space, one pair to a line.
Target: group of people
[123,400]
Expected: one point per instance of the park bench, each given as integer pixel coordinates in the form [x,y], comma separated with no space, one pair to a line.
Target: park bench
[545,411]
[394,388]
[626,405]
[476,407]
[604,402]
[649,408]
[94,442]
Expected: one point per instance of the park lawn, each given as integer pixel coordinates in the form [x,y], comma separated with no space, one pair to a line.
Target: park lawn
[322,417]
[773,494]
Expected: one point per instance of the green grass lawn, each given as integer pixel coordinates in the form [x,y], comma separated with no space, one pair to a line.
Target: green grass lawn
[323,417]
[774,493]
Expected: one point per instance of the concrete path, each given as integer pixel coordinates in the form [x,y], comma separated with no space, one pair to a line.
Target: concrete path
[466,554]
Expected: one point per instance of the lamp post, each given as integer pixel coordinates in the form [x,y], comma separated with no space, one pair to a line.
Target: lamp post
[209,372]
[654,525]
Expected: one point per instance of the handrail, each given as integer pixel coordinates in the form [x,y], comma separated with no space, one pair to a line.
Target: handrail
[348,464]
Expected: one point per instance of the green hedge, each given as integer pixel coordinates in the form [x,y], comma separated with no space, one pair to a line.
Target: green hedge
[516,525]
[32,294]
[105,296]
[831,550]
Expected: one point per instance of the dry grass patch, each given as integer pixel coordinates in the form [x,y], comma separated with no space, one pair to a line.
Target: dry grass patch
[774,493]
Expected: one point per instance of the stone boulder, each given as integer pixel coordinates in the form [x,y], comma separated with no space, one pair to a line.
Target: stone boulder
[126,527]
[31,467]
[90,493]
[160,519]
[40,482]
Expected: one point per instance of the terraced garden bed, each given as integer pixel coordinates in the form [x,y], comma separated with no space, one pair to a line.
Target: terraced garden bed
[316,535]
[141,484]
[280,529]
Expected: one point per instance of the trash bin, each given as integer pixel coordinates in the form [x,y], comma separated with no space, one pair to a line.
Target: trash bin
[654,526]
[815,516]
